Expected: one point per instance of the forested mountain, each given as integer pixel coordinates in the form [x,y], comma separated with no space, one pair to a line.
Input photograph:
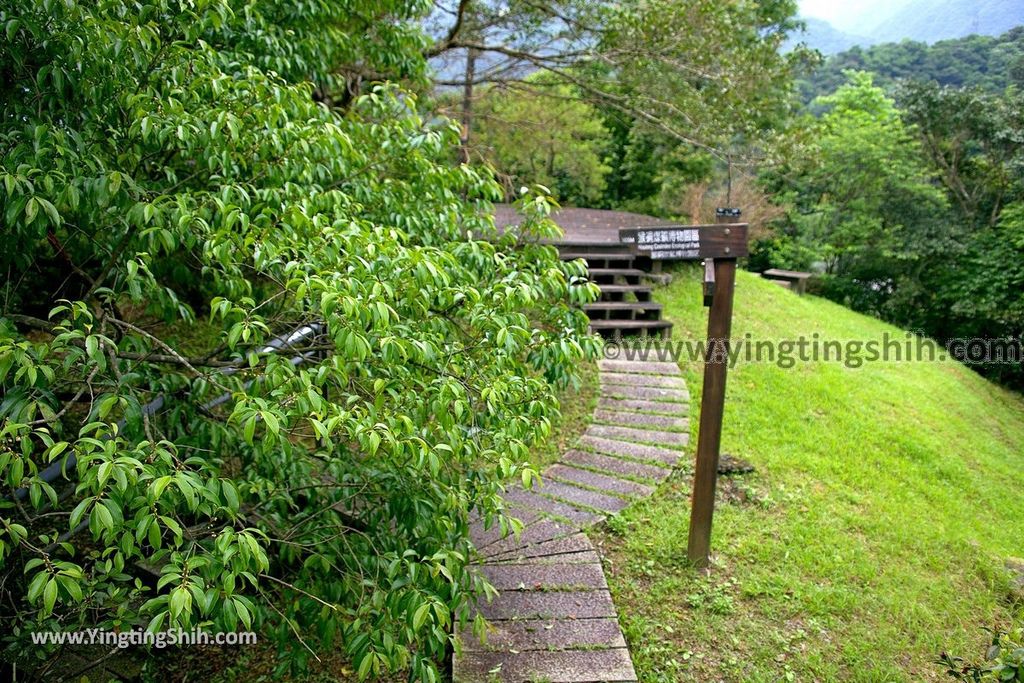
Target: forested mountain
[932,20]
[921,21]
[926,21]
[988,62]
[822,36]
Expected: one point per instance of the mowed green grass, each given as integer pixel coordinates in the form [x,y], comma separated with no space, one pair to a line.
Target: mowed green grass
[872,536]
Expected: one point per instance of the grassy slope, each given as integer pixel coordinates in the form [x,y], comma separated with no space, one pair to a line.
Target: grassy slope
[868,540]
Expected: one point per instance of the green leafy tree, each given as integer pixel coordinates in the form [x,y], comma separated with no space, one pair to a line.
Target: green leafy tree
[700,72]
[916,213]
[554,138]
[863,199]
[650,169]
[979,295]
[974,140]
[989,63]
[182,181]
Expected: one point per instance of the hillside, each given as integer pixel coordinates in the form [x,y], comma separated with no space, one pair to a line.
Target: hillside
[871,536]
[989,62]
[922,20]
[822,36]
[932,20]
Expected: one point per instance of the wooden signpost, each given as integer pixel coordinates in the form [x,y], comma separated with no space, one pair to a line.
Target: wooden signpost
[719,245]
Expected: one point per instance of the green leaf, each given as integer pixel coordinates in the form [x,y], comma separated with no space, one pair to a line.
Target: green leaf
[79,512]
[50,210]
[160,484]
[106,405]
[72,587]
[365,666]
[230,495]
[249,431]
[420,616]
[243,613]
[31,209]
[104,472]
[104,517]
[49,596]
[35,587]
[271,420]
[181,600]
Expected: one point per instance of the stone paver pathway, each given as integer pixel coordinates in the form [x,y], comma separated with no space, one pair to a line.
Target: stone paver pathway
[553,620]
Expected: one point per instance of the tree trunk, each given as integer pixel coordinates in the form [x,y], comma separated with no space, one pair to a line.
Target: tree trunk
[467,103]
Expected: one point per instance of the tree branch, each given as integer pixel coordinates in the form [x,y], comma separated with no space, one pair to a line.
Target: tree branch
[446,43]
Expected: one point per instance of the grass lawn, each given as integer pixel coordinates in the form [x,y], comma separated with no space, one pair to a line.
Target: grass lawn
[872,535]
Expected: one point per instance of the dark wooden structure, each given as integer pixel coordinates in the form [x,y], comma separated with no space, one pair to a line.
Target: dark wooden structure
[720,246]
[625,306]
[793,279]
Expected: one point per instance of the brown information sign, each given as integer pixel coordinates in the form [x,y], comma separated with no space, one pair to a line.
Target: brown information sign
[688,242]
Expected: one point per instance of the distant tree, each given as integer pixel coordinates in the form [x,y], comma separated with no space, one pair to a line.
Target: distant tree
[986,62]
[557,140]
[975,141]
[860,188]
[651,171]
[984,298]
[917,214]
[698,72]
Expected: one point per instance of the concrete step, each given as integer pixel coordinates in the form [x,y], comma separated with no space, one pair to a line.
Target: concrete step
[623,259]
[637,380]
[619,327]
[626,293]
[612,465]
[609,276]
[618,255]
[623,310]
[590,246]
[600,482]
[653,365]
[609,272]
[626,391]
[548,635]
[544,577]
[612,665]
[628,449]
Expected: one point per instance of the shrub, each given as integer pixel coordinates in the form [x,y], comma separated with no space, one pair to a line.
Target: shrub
[175,194]
[1004,661]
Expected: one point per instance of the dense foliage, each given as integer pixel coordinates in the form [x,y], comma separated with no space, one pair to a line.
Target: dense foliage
[989,62]
[860,193]
[183,180]
[671,84]
[912,207]
[549,136]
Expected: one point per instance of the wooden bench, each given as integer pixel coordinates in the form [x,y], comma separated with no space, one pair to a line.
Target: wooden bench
[793,279]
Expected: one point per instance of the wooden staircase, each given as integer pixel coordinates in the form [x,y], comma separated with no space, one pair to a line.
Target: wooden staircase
[625,306]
